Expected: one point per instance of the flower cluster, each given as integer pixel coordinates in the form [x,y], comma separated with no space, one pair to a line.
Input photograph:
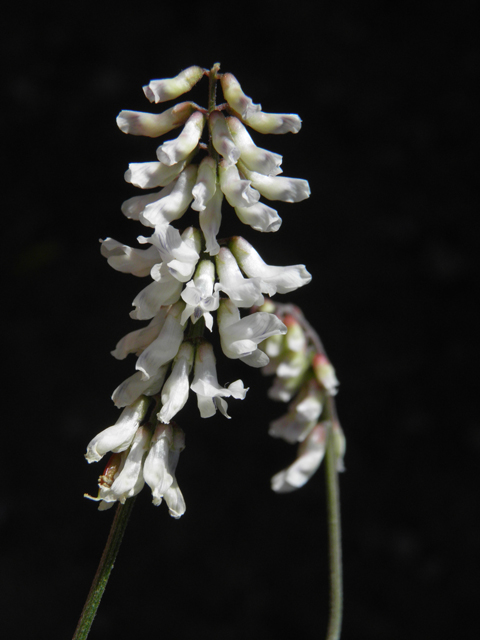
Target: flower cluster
[305,378]
[192,275]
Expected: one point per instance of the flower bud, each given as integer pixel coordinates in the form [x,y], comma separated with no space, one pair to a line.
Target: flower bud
[137,123]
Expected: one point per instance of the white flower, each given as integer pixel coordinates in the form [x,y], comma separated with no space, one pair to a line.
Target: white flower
[238,192]
[173,151]
[129,479]
[273,122]
[148,175]
[310,455]
[303,414]
[179,253]
[170,88]
[165,347]
[138,123]
[277,187]
[253,157]
[120,436]
[260,217]
[272,279]
[222,140]
[240,336]
[171,207]
[164,291]
[175,390]
[159,469]
[237,100]
[210,219]
[205,384]
[123,258]
[205,185]
[243,292]
[133,207]
[137,341]
[135,386]
[199,295]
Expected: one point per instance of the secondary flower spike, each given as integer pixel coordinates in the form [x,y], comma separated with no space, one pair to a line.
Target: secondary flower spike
[198,284]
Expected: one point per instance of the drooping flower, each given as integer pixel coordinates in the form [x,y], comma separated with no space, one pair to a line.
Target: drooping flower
[175,390]
[239,337]
[153,125]
[210,395]
[170,88]
[199,295]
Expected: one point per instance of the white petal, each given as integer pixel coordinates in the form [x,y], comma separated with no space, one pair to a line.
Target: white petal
[205,185]
[130,480]
[210,220]
[274,122]
[243,292]
[174,205]
[237,100]
[310,456]
[278,187]
[170,88]
[123,258]
[173,151]
[222,140]
[153,125]
[238,192]
[118,437]
[137,341]
[147,175]
[157,294]
[260,217]
[133,207]
[176,388]
[273,279]
[166,346]
[253,157]
[135,386]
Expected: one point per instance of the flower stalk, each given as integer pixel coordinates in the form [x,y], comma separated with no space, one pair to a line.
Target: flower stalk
[109,555]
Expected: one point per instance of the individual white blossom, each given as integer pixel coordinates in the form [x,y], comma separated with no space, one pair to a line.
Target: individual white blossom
[239,337]
[277,187]
[222,140]
[134,386]
[134,207]
[272,279]
[173,151]
[120,436]
[303,414]
[210,219]
[165,347]
[123,258]
[175,390]
[253,157]
[260,217]
[199,295]
[205,185]
[243,292]
[129,481]
[168,441]
[237,100]
[170,88]
[138,123]
[148,175]
[179,253]
[137,341]
[238,192]
[210,395]
[310,455]
[277,123]
[171,207]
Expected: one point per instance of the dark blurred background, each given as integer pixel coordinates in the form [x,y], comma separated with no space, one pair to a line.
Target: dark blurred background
[386,97]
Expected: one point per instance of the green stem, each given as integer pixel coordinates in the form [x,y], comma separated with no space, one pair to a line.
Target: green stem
[105,567]
[334,537]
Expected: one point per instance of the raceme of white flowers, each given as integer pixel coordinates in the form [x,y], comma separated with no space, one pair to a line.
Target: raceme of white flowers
[192,276]
[305,378]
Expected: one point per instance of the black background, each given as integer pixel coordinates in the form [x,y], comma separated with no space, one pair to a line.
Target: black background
[389,235]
